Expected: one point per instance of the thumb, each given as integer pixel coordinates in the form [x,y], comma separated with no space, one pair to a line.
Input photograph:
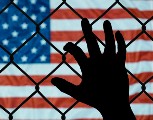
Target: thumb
[65,86]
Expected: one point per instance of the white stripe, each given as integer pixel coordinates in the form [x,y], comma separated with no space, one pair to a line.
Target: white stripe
[75,113]
[53,92]
[136,46]
[44,69]
[117,24]
[104,4]
[25,91]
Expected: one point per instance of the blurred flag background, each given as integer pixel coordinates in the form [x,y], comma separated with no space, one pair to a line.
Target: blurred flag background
[42,53]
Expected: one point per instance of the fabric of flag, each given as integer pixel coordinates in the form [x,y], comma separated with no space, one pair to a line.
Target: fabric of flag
[38,58]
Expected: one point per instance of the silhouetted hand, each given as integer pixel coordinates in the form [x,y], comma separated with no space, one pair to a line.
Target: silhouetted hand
[105,84]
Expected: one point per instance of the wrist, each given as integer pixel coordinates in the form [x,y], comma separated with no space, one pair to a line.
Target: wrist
[117,113]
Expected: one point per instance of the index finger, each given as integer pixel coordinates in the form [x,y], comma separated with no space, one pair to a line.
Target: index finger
[91,41]
[109,38]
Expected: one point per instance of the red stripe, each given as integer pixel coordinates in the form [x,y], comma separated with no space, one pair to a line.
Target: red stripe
[23,81]
[143,98]
[76,35]
[94,13]
[40,103]
[142,77]
[58,102]
[130,57]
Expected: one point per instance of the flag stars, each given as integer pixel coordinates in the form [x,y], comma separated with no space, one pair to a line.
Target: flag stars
[33,32]
[43,42]
[42,9]
[16,1]
[24,26]
[15,33]
[43,58]
[24,58]
[15,18]
[43,25]
[33,16]
[5,42]
[13,49]
[33,1]
[6,10]
[5,58]
[25,9]
[5,26]
[33,50]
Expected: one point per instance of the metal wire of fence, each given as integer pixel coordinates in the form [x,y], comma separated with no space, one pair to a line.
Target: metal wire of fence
[37,31]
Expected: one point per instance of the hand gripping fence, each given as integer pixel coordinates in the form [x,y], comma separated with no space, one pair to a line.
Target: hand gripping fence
[37,31]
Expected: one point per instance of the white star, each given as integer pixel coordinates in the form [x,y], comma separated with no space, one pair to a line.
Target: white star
[43,58]
[24,25]
[14,17]
[43,42]
[5,58]
[15,1]
[5,42]
[25,9]
[6,10]
[33,1]
[33,16]
[33,32]
[33,50]
[24,58]
[24,41]
[5,26]
[13,49]
[15,33]
[42,9]
[43,25]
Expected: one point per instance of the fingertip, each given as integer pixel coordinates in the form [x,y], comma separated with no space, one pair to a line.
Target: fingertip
[54,81]
[85,20]
[68,46]
[119,36]
[106,23]
[86,27]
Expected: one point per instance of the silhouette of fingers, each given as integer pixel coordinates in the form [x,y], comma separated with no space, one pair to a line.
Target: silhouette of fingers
[109,38]
[65,86]
[77,53]
[121,47]
[91,41]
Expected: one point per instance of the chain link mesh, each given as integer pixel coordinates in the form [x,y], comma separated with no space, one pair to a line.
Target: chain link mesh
[37,31]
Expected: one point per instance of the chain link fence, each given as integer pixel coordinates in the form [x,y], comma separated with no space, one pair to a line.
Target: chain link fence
[63,61]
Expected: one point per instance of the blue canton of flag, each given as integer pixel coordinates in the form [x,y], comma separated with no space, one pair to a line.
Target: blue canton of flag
[16,28]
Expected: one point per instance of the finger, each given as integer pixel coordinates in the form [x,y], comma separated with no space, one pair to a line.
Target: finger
[121,47]
[65,86]
[109,38]
[91,41]
[77,53]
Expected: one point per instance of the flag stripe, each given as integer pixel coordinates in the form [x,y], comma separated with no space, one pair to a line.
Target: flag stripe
[14,102]
[95,13]
[76,35]
[38,69]
[76,113]
[23,80]
[98,4]
[130,57]
[125,24]
[142,46]
[52,91]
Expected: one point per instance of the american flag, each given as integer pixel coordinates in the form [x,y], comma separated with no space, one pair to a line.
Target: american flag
[37,58]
